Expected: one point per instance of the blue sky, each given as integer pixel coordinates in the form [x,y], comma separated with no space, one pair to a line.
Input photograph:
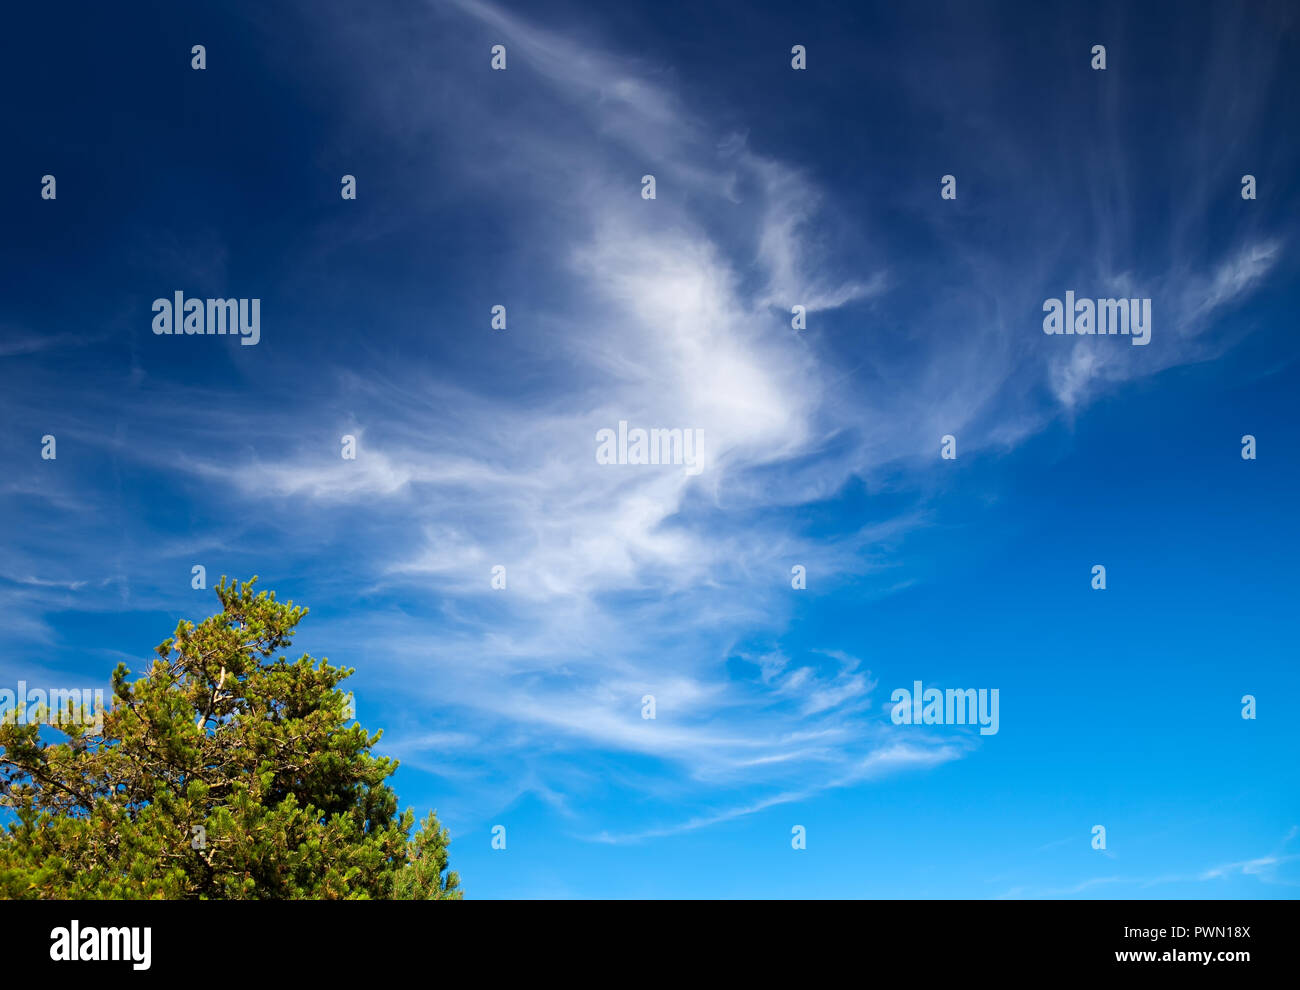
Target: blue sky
[774,188]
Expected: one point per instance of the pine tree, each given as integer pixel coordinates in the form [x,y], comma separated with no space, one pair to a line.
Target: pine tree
[225,772]
[425,877]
